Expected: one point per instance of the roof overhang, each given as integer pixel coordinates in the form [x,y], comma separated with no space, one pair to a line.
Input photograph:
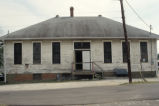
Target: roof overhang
[71,38]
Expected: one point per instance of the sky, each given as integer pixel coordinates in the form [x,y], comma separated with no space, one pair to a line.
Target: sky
[18,14]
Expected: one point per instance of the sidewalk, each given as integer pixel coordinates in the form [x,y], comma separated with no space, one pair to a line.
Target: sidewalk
[66,85]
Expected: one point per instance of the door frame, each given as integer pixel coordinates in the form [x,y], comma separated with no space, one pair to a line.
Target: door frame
[82,58]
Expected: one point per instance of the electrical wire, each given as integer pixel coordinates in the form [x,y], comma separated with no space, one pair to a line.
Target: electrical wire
[137,13]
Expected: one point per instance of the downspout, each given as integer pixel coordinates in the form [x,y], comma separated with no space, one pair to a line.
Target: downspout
[155,53]
[4,63]
[151,55]
[152,62]
[151,46]
[156,63]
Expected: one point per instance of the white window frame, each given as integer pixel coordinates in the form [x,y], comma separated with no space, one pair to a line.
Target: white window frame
[33,51]
[147,49]
[22,51]
[59,41]
[111,50]
[122,50]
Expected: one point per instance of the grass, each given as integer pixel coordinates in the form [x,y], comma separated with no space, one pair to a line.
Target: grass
[3,105]
[43,81]
[140,82]
[1,83]
[28,82]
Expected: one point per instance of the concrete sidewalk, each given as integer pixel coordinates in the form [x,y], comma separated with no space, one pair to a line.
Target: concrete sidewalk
[71,84]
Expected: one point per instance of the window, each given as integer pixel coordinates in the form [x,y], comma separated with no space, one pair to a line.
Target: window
[37,53]
[143,50]
[37,76]
[82,45]
[17,53]
[56,52]
[107,52]
[125,51]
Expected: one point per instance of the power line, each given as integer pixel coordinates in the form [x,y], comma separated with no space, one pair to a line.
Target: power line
[137,14]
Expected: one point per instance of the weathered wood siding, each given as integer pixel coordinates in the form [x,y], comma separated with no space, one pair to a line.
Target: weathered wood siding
[67,56]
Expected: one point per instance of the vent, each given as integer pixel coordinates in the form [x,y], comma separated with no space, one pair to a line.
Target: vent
[99,15]
[57,16]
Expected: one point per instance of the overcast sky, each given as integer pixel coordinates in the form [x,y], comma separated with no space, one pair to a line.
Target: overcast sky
[17,14]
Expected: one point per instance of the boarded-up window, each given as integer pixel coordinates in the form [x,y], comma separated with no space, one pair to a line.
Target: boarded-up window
[107,52]
[37,53]
[125,51]
[56,52]
[37,76]
[17,53]
[82,45]
[144,52]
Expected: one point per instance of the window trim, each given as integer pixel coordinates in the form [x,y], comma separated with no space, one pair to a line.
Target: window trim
[51,49]
[22,51]
[147,50]
[74,41]
[122,50]
[52,52]
[111,50]
[33,51]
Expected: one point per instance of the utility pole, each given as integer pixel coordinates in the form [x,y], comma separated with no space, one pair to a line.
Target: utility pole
[150,29]
[126,42]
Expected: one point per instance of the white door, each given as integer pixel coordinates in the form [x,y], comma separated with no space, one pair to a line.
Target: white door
[86,60]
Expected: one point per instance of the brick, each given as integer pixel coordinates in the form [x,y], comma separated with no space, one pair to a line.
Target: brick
[48,76]
[19,77]
[23,77]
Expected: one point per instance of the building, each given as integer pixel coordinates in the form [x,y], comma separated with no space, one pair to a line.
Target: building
[63,46]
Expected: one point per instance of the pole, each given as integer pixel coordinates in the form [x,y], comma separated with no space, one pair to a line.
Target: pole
[4,69]
[150,29]
[126,41]
[151,46]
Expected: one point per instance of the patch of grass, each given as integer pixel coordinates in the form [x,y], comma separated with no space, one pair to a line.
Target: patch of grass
[3,105]
[141,82]
[1,83]
[44,81]
[28,82]
[32,81]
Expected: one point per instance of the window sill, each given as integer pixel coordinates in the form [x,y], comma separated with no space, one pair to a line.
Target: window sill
[144,62]
[108,63]
[124,62]
[37,64]
[17,64]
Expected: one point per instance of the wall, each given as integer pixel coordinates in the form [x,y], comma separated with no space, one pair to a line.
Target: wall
[46,65]
[67,56]
[117,60]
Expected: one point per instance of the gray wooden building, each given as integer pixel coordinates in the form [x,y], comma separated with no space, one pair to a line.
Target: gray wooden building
[62,46]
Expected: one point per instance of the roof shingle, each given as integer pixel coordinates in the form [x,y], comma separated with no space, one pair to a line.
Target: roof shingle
[78,27]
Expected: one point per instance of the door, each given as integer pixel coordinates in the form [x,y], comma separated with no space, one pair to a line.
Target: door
[86,60]
[78,60]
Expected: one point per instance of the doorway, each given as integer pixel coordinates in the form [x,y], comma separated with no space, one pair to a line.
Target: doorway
[82,60]
[82,56]
[78,60]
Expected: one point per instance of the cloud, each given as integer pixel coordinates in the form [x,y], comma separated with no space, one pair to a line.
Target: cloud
[16,14]
[18,4]
[1,31]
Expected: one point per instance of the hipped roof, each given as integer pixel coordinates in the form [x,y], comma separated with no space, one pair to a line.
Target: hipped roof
[78,28]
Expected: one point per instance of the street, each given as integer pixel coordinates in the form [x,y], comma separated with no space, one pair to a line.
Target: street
[135,93]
